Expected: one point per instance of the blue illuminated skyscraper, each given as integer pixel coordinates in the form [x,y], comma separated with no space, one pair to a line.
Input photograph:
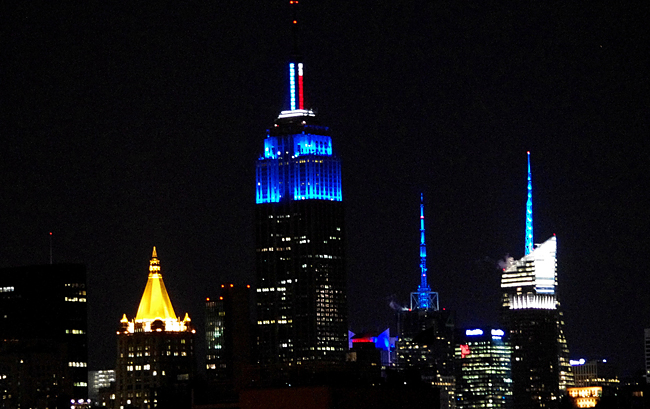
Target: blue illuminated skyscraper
[300,260]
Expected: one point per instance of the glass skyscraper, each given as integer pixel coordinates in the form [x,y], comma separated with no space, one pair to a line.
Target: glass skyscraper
[483,371]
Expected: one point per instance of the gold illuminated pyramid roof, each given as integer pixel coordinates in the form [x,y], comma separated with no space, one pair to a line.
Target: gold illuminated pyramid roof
[155,303]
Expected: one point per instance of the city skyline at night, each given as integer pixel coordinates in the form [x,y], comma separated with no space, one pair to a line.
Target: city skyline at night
[132,125]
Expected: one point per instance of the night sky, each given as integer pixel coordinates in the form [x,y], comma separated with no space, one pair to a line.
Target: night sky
[127,124]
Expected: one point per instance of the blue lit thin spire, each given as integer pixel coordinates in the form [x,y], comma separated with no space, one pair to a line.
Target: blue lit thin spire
[423,298]
[423,289]
[529,213]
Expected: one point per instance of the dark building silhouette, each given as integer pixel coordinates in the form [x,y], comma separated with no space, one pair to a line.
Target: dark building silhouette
[228,333]
[300,240]
[155,351]
[43,340]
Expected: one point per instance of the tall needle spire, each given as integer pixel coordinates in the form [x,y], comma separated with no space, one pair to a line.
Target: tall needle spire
[424,285]
[529,213]
[423,298]
[296,90]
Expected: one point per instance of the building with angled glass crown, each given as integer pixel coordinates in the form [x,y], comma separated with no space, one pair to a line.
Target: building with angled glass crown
[155,351]
[541,370]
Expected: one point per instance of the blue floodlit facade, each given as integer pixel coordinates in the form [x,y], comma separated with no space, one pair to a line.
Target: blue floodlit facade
[299,164]
[529,213]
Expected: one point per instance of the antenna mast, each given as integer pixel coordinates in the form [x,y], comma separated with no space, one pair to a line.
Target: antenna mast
[529,213]
[296,90]
[423,298]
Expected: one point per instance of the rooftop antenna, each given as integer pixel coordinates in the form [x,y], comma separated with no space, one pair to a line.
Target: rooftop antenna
[296,90]
[50,247]
[423,298]
[529,213]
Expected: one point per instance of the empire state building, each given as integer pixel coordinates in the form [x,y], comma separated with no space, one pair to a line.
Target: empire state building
[299,237]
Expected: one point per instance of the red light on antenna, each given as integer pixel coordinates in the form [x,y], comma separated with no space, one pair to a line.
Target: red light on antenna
[231,285]
[222,286]
[221,298]
[295,22]
[248,286]
[50,233]
[207,298]
[528,152]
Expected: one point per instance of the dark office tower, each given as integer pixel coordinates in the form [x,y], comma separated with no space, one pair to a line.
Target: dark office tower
[43,341]
[425,333]
[299,238]
[228,337]
[155,351]
[483,372]
[531,312]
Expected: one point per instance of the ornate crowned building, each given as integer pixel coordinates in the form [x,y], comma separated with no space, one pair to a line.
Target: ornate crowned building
[155,351]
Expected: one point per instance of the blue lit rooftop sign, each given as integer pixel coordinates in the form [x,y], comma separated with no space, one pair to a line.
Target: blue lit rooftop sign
[497,333]
[473,332]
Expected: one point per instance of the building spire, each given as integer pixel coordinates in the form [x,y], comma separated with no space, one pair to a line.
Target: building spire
[529,213]
[296,89]
[155,302]
[424,285]
[423,298]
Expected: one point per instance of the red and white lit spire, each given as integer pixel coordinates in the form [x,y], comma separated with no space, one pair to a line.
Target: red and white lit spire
[296,83]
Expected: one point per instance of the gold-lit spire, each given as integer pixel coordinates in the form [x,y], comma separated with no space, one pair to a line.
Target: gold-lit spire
[155,303]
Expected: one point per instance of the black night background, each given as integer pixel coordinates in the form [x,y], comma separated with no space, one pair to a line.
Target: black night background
[127,124]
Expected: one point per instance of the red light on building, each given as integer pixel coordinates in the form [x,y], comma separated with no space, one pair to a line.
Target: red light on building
[464,351]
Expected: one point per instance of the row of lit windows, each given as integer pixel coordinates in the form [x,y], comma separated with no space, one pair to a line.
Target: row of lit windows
[145,367]
[7,289]
[77,364]
[268,322]
[75,299]
[75,331]
[275,249]
[264,290]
